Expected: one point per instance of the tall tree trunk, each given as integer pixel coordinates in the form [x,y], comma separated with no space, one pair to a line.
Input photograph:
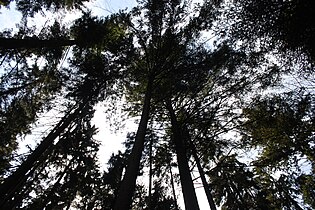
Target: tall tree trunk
[18,195]
[13,43]
[150,174]
[128,185]
[203,178]
[16,180]
[173,187]
[190,198]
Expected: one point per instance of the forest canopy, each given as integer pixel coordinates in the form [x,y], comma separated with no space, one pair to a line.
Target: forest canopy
[221,93]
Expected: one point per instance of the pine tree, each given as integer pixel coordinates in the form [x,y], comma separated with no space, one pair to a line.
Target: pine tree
[85,93]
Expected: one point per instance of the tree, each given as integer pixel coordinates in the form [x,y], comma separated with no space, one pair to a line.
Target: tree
[26,90]
[85,93]
[202,176]
[180,143]
[30,8]
[87,31]
[163,162]
[75,156]
[285,26]
[155,46]
[12,43]
[159,198]
[281,126]
[183,61]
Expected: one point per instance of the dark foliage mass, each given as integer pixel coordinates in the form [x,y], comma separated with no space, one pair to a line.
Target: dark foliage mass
[31,7]
[283,25]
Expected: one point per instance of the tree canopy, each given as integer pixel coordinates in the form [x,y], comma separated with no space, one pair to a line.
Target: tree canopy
[221,91]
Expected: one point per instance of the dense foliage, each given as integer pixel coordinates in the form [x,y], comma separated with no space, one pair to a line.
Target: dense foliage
[222,92]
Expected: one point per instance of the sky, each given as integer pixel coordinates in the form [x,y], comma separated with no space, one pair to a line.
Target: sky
[111,140]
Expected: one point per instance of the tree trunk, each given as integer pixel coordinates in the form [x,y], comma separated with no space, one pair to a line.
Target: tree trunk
[16,180]
[173,187]
[203,178]
[13,43]
[190,198]
[150,174]
[127,188]
[18,195]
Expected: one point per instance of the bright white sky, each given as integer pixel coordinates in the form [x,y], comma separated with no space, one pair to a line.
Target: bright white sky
[111,141]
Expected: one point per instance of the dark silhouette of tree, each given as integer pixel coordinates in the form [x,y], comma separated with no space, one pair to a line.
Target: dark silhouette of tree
[12,43]
[281,126]
[180,143]
[76,153]
[282,26]
[96,78]
[26,90]
[31,7]
[202,175]
[87,31]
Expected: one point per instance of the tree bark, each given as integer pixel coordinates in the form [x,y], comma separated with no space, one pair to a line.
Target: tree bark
[13,43]
[127,188]
[16,180]
[190,198]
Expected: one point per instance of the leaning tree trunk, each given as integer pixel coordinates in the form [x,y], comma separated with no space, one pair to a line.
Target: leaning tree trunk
[203,178]
[17,179]
[190,198]
[13,43]
[128,185]
[205,184]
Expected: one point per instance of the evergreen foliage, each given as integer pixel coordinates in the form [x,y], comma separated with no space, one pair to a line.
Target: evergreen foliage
[234,110]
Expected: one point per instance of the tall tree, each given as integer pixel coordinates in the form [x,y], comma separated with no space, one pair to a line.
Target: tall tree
[75,157]
[26,89]
[155,62]
[85,92]
[180,143]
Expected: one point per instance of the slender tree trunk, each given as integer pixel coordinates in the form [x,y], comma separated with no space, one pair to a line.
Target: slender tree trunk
[13,43]
[16,180]
[150,174]
[200,169]
[190,198]
[127,188]
[173,187]
[203,178]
